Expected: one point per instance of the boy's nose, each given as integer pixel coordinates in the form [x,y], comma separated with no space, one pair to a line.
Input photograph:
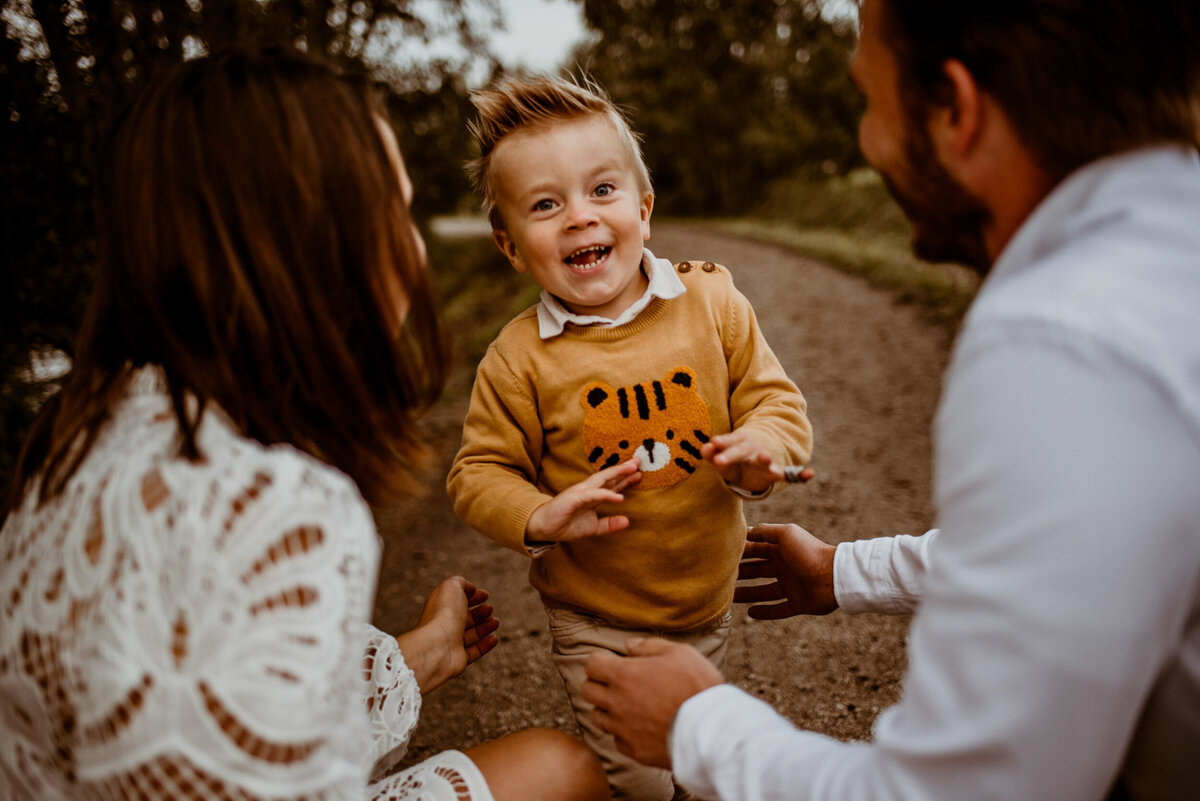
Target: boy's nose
[580,215]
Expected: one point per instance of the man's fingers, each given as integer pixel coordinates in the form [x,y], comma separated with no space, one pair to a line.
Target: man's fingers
[599,668]
[755,550]
[766,532]
[597,694]
[772,611]
[758,592]
[647,646]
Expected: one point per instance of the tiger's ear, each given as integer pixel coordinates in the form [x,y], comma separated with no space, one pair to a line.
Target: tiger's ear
[683,376]
[594,394]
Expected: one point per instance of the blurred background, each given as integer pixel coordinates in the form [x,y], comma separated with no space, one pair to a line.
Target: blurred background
[746,109]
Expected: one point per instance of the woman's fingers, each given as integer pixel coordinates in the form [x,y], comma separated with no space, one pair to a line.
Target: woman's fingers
[478,614]
[480,631]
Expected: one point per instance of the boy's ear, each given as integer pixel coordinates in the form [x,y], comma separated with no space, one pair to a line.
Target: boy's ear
[508,248]
[647,208]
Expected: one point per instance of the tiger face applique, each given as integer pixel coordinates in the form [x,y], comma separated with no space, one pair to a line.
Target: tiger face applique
[662,423]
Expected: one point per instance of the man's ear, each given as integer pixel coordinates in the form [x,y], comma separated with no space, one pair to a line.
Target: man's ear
[508,248]
[647,208]
[958,126]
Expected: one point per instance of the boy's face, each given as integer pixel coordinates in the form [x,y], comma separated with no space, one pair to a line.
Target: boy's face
[574,215]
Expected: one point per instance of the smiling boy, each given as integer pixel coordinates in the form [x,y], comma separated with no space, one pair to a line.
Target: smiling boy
[615,426]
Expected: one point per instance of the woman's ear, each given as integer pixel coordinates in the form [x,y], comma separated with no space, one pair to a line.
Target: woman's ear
[508,248]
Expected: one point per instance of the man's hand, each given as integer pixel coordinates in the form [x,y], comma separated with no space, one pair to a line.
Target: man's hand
[801,565]
[742,460]
[636,696]
[571,515]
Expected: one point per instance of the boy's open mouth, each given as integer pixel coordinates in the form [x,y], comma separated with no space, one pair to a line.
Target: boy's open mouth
[589,256]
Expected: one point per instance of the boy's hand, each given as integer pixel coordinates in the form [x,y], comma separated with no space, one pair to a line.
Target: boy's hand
[571,515]
[742,460]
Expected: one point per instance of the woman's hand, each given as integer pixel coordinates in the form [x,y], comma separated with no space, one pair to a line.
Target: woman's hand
[456,628]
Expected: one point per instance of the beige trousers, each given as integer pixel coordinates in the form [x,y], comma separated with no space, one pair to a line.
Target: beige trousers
[575,637]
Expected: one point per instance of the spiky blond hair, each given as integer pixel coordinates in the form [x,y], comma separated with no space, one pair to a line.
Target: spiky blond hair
[514,104]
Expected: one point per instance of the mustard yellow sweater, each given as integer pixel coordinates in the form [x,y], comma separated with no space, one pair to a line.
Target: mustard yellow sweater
[546,414]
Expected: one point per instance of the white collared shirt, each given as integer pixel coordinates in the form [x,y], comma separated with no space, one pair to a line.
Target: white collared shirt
[663,283]
[1056,641]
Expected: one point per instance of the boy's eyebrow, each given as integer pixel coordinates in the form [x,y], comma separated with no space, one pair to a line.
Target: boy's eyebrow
[612,165]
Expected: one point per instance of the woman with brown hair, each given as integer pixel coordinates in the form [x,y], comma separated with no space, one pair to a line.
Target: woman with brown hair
[188,563]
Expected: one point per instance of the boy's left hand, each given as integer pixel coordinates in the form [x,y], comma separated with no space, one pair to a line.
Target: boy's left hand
[742,460]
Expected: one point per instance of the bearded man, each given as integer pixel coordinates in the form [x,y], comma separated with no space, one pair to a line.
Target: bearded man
[1055,648]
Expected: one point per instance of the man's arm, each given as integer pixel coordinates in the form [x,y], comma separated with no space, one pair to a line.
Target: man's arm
[811,578]
[1052,603]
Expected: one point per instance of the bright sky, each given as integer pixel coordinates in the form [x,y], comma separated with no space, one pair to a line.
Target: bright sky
[540,33]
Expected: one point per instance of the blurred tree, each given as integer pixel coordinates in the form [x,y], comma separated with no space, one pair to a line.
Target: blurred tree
[727,94]
[66,66]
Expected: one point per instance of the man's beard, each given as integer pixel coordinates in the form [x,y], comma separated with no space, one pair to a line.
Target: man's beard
[947,220]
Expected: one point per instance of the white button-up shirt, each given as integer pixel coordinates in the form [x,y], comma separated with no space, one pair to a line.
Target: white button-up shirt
[1056,641]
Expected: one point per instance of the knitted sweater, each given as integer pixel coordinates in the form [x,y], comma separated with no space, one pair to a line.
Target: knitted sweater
[546,414]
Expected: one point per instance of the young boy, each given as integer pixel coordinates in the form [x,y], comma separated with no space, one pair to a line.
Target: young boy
[614,427]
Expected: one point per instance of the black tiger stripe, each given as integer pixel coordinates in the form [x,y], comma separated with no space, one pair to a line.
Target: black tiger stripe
[700,435]
[623,400]
[690,448]
[660,400]
[596,453]
[610,461]
[643,405]
[686,465]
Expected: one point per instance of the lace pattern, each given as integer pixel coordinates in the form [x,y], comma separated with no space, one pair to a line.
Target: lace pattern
[172,629]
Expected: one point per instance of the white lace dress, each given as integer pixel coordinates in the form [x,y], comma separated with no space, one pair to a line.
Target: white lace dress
[199,631]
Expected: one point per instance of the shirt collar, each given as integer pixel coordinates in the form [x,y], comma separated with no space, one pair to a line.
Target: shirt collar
[663,283]
[1090,196]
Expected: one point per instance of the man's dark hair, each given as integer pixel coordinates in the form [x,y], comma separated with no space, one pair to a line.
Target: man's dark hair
[1079,79]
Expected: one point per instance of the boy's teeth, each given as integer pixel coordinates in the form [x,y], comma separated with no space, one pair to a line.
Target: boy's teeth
[586,256]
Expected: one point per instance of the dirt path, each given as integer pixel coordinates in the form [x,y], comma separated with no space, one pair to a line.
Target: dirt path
[871,371]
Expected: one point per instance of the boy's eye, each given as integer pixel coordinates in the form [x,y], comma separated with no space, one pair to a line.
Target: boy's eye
[605,189]
[543,205]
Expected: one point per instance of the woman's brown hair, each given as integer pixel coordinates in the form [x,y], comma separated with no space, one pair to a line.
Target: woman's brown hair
[252,235]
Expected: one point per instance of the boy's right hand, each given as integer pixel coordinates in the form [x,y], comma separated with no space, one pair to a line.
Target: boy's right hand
[571,515]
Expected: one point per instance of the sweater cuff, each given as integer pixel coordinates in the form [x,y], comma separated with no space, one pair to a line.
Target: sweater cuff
[517,521]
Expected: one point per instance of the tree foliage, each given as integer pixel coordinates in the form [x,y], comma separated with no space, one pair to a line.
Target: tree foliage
[728,95]
[66,66]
